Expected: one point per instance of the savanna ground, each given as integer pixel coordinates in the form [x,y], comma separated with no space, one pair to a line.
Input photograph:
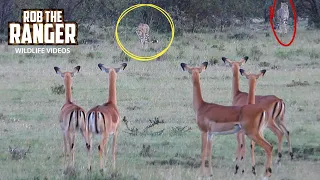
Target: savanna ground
[32,95]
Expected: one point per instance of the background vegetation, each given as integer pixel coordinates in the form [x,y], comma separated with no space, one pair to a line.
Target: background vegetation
[189,15]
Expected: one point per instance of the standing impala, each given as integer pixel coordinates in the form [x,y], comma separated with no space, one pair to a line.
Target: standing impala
[272,104]
[252,100]
[72,117]
[105,119]
[214,119]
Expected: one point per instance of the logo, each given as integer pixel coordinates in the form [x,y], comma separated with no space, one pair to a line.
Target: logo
[42,27]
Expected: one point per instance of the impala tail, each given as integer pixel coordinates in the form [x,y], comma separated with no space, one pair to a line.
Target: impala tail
[96,122]
[77,119]
[282,111]
[263,121]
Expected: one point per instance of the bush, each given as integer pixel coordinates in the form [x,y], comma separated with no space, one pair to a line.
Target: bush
[241,51]
[256,53]
[58,89]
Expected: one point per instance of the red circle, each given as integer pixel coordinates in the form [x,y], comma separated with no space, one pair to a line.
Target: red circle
[272,9]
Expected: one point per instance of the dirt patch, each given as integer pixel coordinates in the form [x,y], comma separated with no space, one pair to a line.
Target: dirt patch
[298,83]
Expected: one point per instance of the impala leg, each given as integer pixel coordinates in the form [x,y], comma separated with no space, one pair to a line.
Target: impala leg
[240,150]
[287,134]
[101,148]
[114,148]
[204,140]
[253,158]
[72,147]
[209,146]
[243,150]
[239,145]
[89,148]
[258,138]
[278,132]
[65,141]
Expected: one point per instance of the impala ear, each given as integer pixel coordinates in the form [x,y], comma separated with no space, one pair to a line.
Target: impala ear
[102,68]
[241,71]
[58,71]
[121,68]
[75,70]
[246,58]
[204,66]
[262,72]
[224,59]
[183,66]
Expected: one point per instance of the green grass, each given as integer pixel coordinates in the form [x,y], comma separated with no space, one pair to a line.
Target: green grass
[145,90]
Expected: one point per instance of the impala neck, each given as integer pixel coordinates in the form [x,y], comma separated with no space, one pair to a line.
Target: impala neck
[68,84]
[112,87]
[235,81]
[197,97]
[252,89]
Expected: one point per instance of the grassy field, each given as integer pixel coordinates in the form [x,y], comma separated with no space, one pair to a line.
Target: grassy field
[31,98]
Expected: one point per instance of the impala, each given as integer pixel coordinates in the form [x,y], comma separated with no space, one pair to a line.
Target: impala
[274,106]
[72,116]
[213,119]
[105,119]
[251,100]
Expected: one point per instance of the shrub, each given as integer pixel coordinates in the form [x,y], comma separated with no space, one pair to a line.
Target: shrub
[256,53]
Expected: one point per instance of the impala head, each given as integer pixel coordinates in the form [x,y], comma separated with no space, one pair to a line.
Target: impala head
[235,64]
[192,70]
[109,69]
[67,73]
[252,76]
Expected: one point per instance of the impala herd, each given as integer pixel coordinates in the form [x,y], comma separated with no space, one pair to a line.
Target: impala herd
[249,115]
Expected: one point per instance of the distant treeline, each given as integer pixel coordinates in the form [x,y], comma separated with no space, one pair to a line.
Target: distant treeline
[188,15]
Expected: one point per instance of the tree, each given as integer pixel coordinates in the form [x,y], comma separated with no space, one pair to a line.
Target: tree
[6,14]
[310,8]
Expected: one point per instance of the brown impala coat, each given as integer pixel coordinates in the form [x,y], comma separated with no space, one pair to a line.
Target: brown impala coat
[217,119]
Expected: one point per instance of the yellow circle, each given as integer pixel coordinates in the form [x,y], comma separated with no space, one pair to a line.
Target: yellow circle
[144,58]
